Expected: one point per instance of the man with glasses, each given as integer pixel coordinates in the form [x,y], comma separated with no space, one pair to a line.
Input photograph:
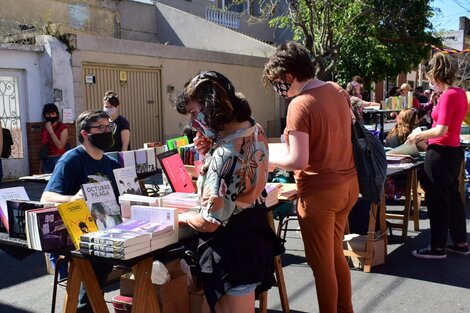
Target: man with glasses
[85,164]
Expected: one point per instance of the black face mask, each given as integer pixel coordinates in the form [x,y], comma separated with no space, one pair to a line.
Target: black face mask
[102,141]
[51,119]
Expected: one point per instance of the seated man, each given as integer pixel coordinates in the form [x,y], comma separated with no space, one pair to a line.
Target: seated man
[82,165]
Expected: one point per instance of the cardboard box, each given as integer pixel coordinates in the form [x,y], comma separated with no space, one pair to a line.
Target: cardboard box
[172,296]
[357,243]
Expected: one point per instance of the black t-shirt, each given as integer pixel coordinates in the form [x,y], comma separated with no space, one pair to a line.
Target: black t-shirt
[121,124]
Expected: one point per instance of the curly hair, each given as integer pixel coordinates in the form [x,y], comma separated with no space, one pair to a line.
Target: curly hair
[217,97]
[406,122]
[442,69]
[289,58]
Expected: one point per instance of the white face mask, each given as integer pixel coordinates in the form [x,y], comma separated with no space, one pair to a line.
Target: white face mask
[110,111]
[435,87]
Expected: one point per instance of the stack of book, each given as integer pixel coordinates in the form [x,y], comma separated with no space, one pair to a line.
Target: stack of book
[166,217]
[124,241]
[182,201]
[128,200]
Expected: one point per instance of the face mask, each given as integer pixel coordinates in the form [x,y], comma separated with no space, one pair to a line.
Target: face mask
[199,124]
[281,88]
[110,111]
[102,141]
[434,87]
[51,119]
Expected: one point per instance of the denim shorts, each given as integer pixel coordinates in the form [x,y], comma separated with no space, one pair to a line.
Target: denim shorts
[242,290]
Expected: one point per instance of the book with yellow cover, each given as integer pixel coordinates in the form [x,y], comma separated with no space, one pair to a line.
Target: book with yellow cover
[77,219]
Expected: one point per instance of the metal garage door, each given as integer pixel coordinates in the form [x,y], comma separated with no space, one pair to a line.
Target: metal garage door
[139,91]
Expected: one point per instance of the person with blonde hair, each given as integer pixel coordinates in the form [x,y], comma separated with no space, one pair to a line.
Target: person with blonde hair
[442,164]
[407,120]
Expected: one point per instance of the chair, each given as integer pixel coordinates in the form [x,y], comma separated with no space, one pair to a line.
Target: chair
[284,213]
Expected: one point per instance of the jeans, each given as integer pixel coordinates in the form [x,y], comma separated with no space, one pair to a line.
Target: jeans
[49,164]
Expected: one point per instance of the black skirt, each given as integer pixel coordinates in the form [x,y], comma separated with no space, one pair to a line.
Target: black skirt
[240,253]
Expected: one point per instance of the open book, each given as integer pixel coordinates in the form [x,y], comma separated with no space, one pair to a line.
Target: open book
[406,150]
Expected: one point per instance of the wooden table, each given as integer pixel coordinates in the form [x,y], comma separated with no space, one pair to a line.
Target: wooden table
[81,271]
[412,200]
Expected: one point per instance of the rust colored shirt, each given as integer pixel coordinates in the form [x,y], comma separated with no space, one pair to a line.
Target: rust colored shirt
[323,113]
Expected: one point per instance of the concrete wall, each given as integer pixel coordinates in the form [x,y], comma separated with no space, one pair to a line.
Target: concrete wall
[93,16]
[36,74]
[138,21]
[180,28]
[257,30]
[178,65]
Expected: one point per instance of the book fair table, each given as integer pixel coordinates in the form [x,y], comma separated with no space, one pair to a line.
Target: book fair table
[412,200]
[145,298]
[380,125]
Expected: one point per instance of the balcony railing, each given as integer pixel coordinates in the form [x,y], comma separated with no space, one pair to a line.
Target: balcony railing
[223,18]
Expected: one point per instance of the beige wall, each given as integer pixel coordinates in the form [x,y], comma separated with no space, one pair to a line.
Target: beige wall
[91,16]
[178,64]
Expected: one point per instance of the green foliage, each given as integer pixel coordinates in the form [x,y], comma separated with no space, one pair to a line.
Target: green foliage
[371,38]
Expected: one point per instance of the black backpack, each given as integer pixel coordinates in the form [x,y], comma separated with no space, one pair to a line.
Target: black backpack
[7,143]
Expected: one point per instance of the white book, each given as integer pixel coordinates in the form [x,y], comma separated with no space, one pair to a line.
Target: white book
[141,164]
[151,159]
[160,215]
[128,200]
[126,180]
[127,158]
[102,203]
[181,200]
[88,247]
[116,237]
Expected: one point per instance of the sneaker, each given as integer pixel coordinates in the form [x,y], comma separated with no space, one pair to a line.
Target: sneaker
[429,253]
[458,250]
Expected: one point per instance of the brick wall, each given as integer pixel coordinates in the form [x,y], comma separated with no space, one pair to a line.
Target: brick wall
[34,131]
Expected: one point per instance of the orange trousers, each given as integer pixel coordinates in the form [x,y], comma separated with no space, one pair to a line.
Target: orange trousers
[322,219]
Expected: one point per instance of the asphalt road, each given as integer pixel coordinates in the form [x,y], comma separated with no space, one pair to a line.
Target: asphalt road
[402,284]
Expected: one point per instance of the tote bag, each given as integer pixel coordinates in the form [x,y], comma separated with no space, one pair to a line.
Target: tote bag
[371,162]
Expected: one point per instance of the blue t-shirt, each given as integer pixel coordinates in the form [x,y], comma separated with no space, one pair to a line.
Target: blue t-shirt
[76,167]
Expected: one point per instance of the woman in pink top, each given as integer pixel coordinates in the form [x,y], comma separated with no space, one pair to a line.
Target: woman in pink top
[442,165]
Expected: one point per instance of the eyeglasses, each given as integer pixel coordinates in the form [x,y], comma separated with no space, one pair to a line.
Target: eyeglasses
[111,126]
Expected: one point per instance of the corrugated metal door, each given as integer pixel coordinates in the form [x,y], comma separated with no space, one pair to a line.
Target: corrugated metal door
[139,91]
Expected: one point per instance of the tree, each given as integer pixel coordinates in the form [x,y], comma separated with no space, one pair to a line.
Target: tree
[371,38]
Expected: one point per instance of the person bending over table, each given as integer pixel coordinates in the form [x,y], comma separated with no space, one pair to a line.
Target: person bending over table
[407,120]
[320,152]
[236,244]
[442,164]
[81,165]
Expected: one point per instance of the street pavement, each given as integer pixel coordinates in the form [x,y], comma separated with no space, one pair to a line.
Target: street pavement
[402,284]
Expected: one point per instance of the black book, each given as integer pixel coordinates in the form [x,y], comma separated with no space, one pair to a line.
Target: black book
[17,212]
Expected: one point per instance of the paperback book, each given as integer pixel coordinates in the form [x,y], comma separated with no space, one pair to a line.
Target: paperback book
[107,251]
[14,193]
[117,237]
[127,200]
[167,217]
[17,212]
[173,167]
[46,230]
[126,180]
[102,203]
[77,219]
